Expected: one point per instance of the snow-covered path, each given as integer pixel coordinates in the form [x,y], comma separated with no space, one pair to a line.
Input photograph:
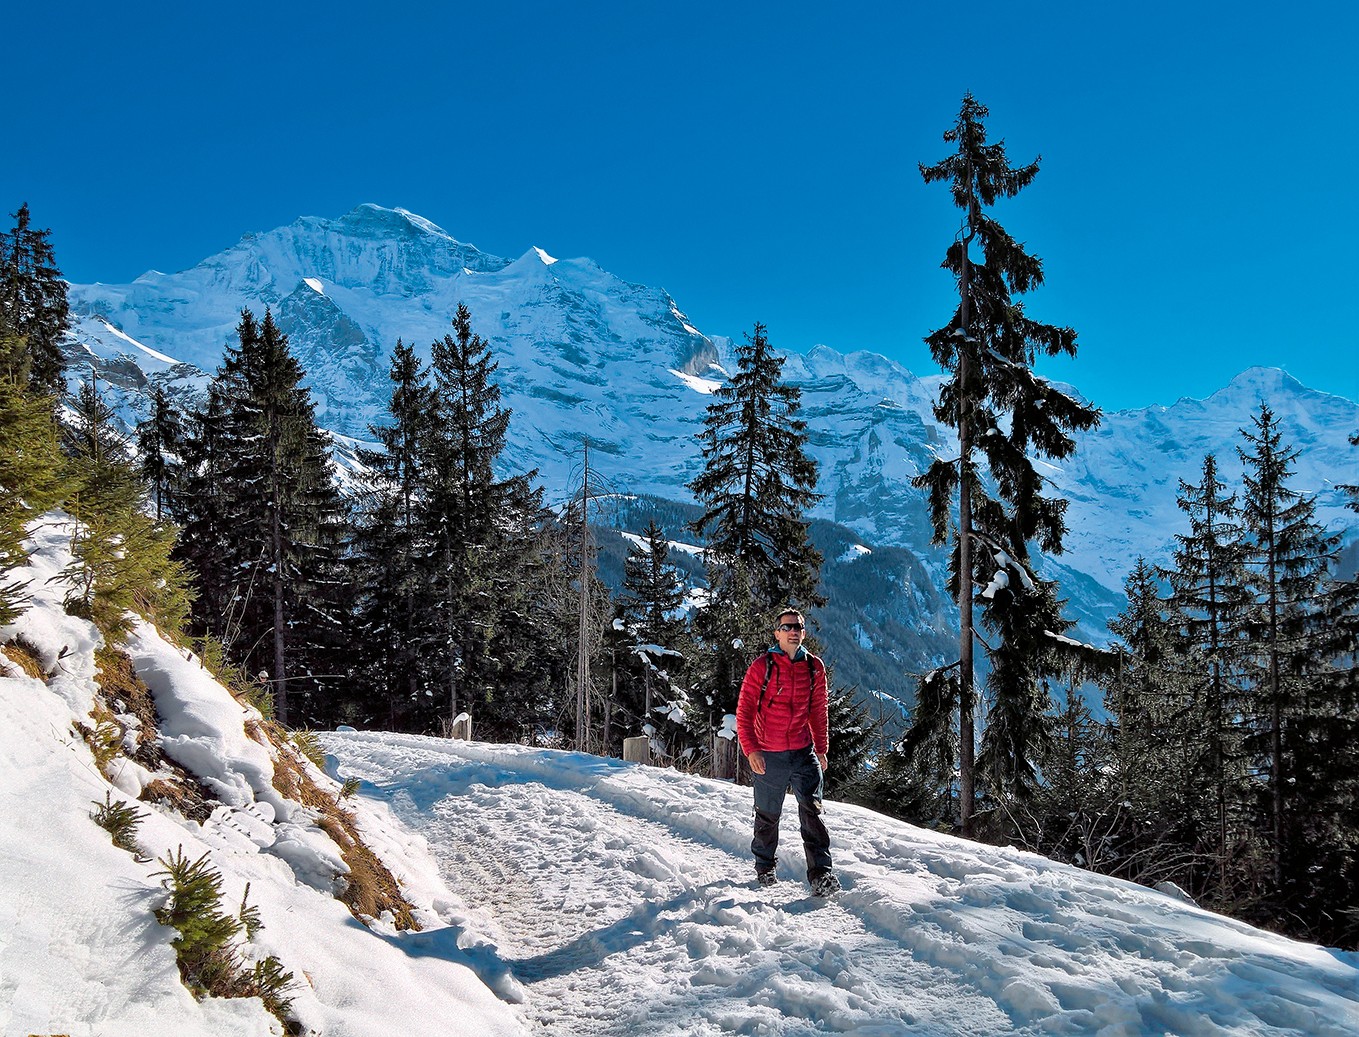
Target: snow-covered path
[621,899]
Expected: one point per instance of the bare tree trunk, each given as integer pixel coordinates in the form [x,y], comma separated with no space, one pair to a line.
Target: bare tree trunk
[583,649]
[1275,709]
[452,662]
[967,693]
[646,709]
[606,741]
[276,539]
[280,676]
[966,678]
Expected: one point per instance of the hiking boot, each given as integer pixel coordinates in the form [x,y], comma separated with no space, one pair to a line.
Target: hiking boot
[766,878]
[825,884]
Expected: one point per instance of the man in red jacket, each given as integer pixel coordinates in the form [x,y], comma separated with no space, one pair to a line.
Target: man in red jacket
[781,721]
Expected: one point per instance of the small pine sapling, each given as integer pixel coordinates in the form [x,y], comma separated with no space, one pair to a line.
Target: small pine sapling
[209,962]
[207,957]
[249,915]
[309,746]
[120,820]
[267,979]
[269,982]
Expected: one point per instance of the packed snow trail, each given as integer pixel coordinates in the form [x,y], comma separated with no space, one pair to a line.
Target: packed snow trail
[622,899]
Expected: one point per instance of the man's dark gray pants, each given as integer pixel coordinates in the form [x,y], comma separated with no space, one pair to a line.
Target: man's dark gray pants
[795,769]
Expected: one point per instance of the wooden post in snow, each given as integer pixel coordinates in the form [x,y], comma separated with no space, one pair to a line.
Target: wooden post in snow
[637,750]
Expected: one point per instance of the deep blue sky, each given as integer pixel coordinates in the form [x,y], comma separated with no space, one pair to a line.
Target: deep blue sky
[1196,209]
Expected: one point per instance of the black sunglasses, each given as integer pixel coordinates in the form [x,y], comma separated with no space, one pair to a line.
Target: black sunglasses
[785,627]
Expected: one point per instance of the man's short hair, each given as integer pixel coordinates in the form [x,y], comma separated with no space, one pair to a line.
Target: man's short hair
[788,612]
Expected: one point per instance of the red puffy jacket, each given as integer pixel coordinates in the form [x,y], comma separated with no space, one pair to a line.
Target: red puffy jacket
[792,712]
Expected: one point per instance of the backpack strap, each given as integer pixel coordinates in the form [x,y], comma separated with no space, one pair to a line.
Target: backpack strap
[769,670]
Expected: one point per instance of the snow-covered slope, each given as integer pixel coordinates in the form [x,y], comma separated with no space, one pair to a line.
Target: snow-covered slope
[585,354]
[81,952]
[593,897]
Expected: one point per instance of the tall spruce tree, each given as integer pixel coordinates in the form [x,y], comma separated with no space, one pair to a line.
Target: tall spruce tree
[1288,560]
[1154,720]
[159,442]
[1158,749]
[1005,416]
[1073,816]
[392,551]
[1321,877]
[470,518]
[30,472]
[121,557]
[33,302]
[757,483]
[285,517]
[1209,601]
[651,597]
[928,750]
[1351,490]
[653,590]
[199,506]
[853,734]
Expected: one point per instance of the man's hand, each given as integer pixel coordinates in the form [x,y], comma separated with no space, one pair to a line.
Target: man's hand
[756,761]
[821,759]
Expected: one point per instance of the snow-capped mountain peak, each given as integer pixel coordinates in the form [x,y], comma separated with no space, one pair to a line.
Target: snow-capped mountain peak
[585,355]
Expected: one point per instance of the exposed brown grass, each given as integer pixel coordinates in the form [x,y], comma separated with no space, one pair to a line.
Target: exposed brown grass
[215,970]
[371,888]
[127,693]
[22,655]
[290,778]
[180,793]
[121,691]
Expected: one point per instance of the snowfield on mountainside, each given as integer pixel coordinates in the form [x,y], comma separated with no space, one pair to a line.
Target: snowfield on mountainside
[563,894]
[585,353]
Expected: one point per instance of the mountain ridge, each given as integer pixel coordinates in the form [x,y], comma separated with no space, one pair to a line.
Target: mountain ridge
[587,356]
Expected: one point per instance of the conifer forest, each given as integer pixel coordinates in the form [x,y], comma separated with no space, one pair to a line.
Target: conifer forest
[1212,742]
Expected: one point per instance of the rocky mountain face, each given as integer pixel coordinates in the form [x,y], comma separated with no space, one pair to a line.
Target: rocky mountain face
[586,356]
